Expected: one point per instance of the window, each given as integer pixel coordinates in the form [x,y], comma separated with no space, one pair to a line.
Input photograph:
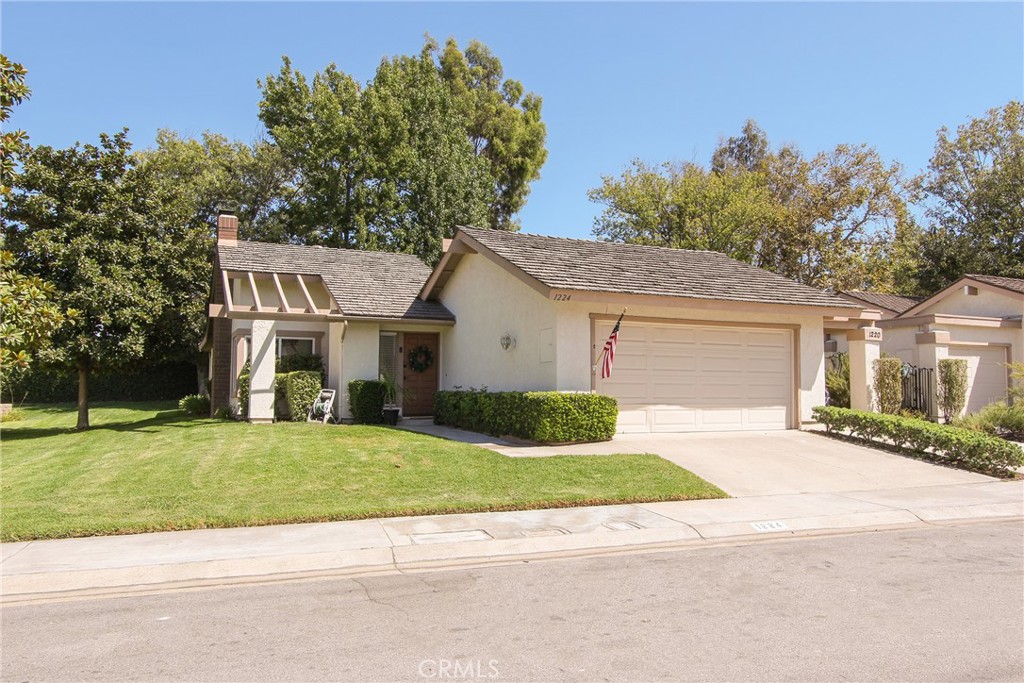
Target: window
[286,346]
[289,346]
[387,362]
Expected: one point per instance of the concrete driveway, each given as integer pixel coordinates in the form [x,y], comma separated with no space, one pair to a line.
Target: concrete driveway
[755,463]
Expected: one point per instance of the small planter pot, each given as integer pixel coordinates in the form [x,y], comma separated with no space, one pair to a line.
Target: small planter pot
[391,416]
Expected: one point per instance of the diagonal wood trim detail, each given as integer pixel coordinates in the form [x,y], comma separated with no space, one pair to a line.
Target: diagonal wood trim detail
[226,283]
[305,291]
[255,291]
[280,294]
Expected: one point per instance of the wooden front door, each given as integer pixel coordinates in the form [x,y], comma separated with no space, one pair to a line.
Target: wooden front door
[420,384]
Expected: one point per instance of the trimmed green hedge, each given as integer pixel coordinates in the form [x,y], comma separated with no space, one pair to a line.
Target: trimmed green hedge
[366,400]
[162,382]
[961,448]
[294,393]
[541,416]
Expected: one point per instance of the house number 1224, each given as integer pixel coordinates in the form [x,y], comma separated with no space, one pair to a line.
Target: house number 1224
[563,297]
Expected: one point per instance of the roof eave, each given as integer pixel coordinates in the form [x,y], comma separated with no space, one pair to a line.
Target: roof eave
[943,293]
[625,298]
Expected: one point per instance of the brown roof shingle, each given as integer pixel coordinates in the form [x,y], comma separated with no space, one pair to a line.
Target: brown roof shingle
[893,302]
[364,283]
[1011,283]
[587,265]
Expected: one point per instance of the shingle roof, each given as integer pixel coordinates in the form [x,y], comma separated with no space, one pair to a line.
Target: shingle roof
[563,263]
[893,302]
[364,283]
[1012,283]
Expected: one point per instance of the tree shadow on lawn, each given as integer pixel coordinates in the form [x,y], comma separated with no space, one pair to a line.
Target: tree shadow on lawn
[166,418]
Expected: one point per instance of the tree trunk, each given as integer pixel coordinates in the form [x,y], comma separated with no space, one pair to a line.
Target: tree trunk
[83,394]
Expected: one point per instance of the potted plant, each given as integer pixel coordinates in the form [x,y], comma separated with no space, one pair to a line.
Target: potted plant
[392,391]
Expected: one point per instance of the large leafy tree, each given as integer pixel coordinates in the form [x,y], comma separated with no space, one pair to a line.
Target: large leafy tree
[433,140]
[197,176]
[87,219]
[837,220]
[13,91]
[975,199]
[28,313]
[503,123]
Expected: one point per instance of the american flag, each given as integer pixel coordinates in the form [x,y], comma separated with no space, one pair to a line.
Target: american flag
[609,349]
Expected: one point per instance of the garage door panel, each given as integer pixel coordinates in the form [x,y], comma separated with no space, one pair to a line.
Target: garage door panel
[662,362]
[725,337]
[676,392]
[691,378]
[770,338]
[632,420]
[627,392]
[766,417]
[669,335]
[673,419]
[631,361]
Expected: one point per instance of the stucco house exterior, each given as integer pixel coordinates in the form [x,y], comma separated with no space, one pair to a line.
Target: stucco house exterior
[707,343]
[977,318]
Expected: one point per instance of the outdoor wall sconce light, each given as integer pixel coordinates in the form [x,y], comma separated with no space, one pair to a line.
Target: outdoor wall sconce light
[508,341]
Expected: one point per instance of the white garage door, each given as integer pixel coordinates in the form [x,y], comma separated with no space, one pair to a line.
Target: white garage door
[986,374]
[679,378]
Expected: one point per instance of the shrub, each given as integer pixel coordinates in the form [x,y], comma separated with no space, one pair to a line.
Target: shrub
[225,413]
[366,401]
[195,404]
[541,416]
[952,386]
[12,415]
[962,448]
[998,419]
[1016,392]
[156,382]
[888,384]
[243,390]
[301,388]
[837,380]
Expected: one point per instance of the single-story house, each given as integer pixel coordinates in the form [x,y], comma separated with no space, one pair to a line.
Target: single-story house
[977,318]
[707,342]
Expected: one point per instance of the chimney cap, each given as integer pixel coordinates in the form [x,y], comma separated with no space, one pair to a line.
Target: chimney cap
[225,207]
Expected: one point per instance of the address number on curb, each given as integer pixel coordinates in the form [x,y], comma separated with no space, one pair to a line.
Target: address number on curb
[769,526]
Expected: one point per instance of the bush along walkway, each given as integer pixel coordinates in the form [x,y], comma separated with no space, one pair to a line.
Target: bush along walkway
[955,446]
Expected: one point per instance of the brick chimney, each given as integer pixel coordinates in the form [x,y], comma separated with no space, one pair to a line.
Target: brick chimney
[227,226]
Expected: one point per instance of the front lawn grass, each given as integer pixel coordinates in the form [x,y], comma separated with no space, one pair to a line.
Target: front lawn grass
[149,467]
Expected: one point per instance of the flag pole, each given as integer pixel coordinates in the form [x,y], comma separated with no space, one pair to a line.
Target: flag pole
[604,349]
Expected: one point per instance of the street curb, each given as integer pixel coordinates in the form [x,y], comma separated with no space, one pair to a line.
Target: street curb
[142,579]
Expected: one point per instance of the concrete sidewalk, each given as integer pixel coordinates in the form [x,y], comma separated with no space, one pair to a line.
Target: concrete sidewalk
[123,564]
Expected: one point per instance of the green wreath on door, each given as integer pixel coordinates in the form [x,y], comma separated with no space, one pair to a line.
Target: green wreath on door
[421,358]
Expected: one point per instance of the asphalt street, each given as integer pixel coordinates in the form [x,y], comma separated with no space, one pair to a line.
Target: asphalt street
[942,603]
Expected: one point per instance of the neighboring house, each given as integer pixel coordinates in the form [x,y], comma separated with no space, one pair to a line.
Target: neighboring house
[888,306]
[977,318]
[707,343]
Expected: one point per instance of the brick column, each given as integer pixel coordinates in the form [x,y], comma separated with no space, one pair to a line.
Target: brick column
[864,351]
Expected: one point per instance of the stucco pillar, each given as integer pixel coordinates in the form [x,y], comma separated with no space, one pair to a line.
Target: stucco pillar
[261,375]
[931,348]
[865,349]
[335,339]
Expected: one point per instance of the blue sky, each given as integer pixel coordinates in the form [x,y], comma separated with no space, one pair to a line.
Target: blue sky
[661,81]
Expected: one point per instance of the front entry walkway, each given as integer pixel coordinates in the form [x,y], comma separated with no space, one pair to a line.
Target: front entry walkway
[751,463]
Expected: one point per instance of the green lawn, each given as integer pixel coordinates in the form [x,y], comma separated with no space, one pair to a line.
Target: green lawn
[149,467]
